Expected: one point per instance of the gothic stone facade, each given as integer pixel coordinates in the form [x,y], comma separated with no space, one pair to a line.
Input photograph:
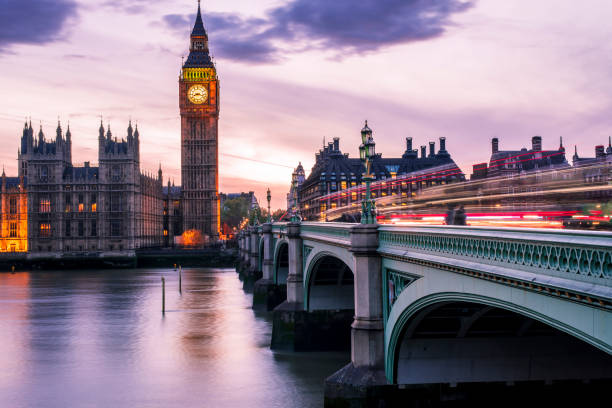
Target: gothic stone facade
[199,108]
[109,209]
[13,215]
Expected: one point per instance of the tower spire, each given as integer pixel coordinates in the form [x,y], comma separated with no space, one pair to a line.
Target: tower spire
[198,27]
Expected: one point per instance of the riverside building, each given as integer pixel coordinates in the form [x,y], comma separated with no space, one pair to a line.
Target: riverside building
[335,179]
[56,208]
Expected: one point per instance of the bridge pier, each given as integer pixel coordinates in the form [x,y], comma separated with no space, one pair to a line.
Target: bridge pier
[294,328]
[251,273]
[362,383]
[244,253]
[266,294]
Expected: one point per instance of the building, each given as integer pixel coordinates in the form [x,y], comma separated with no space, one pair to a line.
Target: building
[173,214]
[509,162]
[601,155]
[199,109]
[335,178]
[88,210]
[13,215]
[297,178]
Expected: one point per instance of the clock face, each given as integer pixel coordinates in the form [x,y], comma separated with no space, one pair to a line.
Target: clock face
[197,94]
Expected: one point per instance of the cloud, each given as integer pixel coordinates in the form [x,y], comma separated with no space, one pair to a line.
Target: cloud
[342,27]
[129,6]
[34,21]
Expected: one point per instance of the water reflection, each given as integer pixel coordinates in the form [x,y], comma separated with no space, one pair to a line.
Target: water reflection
[98,338]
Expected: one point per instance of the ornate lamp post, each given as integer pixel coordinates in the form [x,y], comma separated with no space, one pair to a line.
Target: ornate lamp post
[269,197]
[295,216]
[366,154]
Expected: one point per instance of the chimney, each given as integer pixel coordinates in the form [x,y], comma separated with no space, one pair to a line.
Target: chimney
[494,145]
[337,144]
[423,152]
[599,151]
[408,144]
[536,143]
[432,149]
[442,144]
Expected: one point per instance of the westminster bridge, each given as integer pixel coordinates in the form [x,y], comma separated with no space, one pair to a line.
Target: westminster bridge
[437,305]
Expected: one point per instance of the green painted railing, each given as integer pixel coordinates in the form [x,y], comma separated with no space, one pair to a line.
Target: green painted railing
[337,231]
[279,228]
[581,255]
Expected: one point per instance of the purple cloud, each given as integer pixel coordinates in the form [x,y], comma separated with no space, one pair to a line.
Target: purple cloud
[344,27]
[34,21]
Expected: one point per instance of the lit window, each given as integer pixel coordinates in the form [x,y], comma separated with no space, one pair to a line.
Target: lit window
[353,196]
[45,205]
[81,207]
[45,230]
[13,230]
[165,233]
[343,185]
[94,207]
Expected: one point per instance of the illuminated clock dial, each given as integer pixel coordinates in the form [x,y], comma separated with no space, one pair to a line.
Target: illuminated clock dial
[197,94]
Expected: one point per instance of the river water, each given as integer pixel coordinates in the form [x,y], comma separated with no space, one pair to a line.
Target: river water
[99,339]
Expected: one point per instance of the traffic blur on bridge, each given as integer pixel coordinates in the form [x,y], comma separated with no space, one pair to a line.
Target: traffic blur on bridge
[575,197]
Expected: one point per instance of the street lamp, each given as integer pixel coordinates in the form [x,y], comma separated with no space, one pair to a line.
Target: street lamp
[295,216]
[366,154]
[269,197]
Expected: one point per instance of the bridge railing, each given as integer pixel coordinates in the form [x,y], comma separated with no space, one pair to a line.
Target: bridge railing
[583,257]
[337,232]
[279,228]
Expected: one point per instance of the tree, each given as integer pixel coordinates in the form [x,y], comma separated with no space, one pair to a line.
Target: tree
[234,210]
[277,214]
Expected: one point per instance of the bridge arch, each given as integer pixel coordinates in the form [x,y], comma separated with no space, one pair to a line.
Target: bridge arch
[328,282]
[422,298]
[281,261]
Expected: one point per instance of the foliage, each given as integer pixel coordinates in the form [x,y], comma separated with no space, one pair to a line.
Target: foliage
[277,214]
[234,210]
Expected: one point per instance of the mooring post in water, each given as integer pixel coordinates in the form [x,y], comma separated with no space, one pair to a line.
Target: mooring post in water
[180,279]
[163,295]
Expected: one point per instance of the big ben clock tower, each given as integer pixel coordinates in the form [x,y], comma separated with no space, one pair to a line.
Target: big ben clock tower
[199,106]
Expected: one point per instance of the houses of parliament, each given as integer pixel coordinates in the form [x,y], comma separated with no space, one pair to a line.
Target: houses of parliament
[54,207]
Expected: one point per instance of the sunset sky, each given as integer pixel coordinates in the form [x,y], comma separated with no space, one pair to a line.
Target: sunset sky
[298,71]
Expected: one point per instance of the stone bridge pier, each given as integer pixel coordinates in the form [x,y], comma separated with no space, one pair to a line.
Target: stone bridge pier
[363,380]
[267,294]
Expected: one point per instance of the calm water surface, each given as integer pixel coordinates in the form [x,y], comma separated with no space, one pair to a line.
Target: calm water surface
[98,339]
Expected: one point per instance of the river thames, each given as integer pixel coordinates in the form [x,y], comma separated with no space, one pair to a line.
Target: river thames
[99,339]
